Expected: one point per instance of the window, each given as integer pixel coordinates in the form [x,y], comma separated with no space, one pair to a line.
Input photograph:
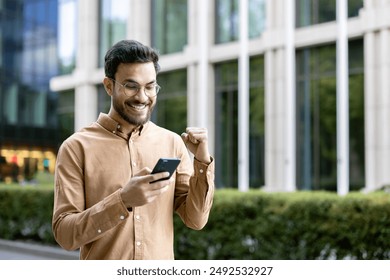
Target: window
[226,124]
[113,24]
[28,59]
[169,25]
[67,34]
[356,114]
[316,127]
[354,6]
[66,114]
[171,109]
[256,117]
[227,20]
[309,12]
[226,17]
[257,14]
[104,100]
[316,117]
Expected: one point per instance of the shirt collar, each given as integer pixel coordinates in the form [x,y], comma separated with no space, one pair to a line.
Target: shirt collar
[114,127]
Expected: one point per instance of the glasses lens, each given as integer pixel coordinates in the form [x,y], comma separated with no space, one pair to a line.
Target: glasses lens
[133,89]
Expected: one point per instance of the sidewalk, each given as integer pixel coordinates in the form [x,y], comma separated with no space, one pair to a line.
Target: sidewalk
[16,250]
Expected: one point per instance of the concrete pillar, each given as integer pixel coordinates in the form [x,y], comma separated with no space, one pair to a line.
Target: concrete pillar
[342,100]
[139,21]
[280,174]
[243,100]
[290,154]
[86,63]
[377,99]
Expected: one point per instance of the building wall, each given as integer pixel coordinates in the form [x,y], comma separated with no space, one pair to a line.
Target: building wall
[278,45]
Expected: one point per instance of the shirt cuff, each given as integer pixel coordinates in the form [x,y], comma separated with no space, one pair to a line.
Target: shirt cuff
[203,170]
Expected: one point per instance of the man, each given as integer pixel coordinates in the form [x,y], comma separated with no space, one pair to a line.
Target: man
[104,202]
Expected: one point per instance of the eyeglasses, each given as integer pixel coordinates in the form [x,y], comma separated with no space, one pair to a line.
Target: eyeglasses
[131,88]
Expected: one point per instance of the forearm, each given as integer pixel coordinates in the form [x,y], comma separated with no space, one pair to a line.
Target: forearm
[195,206]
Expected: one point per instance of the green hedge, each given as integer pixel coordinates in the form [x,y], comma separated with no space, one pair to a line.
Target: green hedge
[26,214]
[301,225]
[251,225]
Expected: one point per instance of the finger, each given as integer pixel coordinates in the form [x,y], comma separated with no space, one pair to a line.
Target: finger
[160,190]
[157,176]
[184,136]
[193,128]
[196,130]
[143,171]
[197,135]
[188,139]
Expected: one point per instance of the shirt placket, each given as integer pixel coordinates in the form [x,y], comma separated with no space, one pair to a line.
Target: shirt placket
[138,226]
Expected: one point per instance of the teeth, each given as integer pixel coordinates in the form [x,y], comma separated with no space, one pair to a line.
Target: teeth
[139,107]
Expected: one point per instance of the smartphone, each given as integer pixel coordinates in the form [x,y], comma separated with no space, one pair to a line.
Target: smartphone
[165,164]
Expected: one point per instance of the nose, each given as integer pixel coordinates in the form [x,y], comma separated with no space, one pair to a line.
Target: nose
[141,95]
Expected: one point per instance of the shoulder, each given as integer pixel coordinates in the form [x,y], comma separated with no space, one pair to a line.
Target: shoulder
[80,138]
[162,132]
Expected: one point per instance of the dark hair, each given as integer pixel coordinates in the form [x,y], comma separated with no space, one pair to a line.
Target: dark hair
[128,51]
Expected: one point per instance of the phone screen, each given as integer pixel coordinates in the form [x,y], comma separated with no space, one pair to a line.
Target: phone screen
[166,164]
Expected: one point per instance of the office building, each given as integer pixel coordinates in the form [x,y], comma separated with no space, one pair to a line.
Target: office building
[29,132]
[294,93]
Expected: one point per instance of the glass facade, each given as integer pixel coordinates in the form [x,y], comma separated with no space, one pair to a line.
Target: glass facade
[317,119]
[227,20]
[169,25]
[113,16]
[28,59]
[171,109]
[354,6]
[104,100]
[38,40]
[310,12]
[356,115]
[256,122]
[226,124]
[257,16]
[316,125]
[65,114]
[67,35]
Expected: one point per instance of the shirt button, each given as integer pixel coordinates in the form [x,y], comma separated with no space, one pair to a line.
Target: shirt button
[138,243]
[122,217]
[99,231]
[201,170]
[134,164]
[114,131]
[138,217]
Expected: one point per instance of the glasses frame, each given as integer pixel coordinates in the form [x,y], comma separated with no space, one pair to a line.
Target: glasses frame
[126,89]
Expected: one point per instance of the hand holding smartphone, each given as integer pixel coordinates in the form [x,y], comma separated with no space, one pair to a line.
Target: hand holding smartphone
[165,165]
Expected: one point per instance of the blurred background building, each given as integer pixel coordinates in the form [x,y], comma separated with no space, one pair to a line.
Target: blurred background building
[295,93]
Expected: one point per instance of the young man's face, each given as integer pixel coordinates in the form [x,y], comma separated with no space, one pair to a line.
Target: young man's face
[135,109]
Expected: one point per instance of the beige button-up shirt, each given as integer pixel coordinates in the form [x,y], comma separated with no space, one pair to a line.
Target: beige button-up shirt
[95,163]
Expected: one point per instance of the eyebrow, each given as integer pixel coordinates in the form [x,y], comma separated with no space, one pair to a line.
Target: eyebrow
[135,82]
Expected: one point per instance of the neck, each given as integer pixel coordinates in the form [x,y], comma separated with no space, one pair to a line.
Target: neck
[125,127]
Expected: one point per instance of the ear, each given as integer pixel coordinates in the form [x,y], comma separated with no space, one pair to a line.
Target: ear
[108,86]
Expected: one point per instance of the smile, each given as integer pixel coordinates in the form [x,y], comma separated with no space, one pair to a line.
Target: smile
[138,107]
